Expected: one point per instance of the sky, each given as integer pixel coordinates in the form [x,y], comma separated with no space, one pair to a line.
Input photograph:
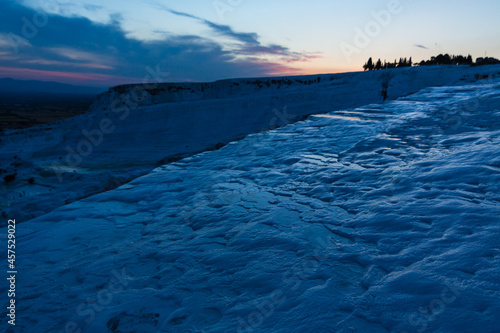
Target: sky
[109,42]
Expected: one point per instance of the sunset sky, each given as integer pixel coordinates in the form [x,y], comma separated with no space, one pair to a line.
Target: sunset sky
[109,42]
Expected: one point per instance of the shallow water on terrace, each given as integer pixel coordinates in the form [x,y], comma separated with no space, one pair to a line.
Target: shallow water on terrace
[340,117]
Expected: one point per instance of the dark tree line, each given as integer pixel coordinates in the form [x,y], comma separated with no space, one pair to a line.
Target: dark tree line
[442,59]
[370,65]
[446,59]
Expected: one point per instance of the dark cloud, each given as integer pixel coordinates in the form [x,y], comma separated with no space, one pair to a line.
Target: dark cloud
[250,41]
[285,53]
[88,50]
[93,7]
[224,30]
[421,46]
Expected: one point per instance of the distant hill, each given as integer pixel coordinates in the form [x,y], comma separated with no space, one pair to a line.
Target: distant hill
[8,85]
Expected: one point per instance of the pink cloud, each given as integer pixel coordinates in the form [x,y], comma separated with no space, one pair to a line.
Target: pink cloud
[67,64]
[93,79]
